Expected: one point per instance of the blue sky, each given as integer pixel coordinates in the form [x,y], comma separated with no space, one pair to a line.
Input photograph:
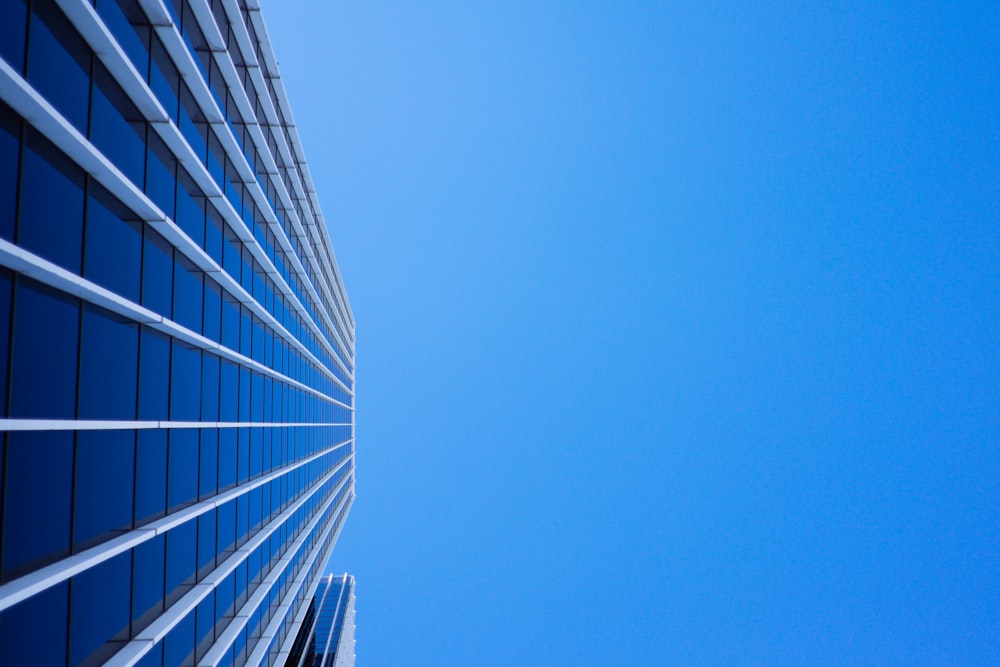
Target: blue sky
[678,326]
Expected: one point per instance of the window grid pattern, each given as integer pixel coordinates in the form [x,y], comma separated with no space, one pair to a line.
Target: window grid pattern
[176,346]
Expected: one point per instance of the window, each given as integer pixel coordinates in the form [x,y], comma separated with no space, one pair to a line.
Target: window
[19,628]
[39,477]
[185,382]
[117,127]
[113,244]
[161,175]
[154,374]
[103,489]
[157,272]
[182,468]
[10,152]
[181,542]
[147,591]
[150,475]
[43,378]
[188,293]
[208,469]
[59,63]
[106,586]
[51,217]
[109,360]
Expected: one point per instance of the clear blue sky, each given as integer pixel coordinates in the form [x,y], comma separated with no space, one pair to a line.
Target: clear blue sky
[678,325]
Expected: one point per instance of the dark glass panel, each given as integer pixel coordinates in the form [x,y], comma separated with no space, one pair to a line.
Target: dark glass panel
[154,374]
[230,322]
[212,321]
[188,292]
[164,78]
[185,382]
[154,658]
[206,543]
[244,394]
[99,613]
[103,489]
[227,457]
[242,520]
[51,217]
[39,477]
[13,29]
[43,377]
[150,475]
[109,360]
[178,645]
[208,469]
[20,624]
[181,543]
[190,208]
[232,250]
[213,233]
[6,295]
[182,473]
[10,154]
[117,127]
[257,394]
[229,393]
[59,63]
[243,454]
[256,450]
[157,272]
[113,244]
[210,387]
[193,124]
[161,175]
[205,625]
[147,582]
[129,25]
[226,529]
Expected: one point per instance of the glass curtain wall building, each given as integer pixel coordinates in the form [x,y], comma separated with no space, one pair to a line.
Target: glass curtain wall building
[326,638]
[176,345]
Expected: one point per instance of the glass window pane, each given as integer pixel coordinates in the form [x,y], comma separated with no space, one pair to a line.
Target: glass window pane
[154,374]
[208,470]
[39,478]
[99,619]
[103,489]
[157,272]
[113,244]
[150,475]
[128,24]
[109,362]
[10,156]
[51,215]
[147,588]
[44,360]
[182,475]
[185,382]
[19,628]
[212,321]
[178,645]
[209,387]
[188,292]
[161,174]
[6,296]
[181,542]
[59,63]
[117,127]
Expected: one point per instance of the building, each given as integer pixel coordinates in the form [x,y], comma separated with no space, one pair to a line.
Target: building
[176,345]
[326,638]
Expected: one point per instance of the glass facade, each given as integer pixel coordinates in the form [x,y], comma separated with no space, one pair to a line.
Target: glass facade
[176,345]
[326,637]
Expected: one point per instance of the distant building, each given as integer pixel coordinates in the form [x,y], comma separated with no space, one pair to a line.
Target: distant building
[176,345]
[326,638]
